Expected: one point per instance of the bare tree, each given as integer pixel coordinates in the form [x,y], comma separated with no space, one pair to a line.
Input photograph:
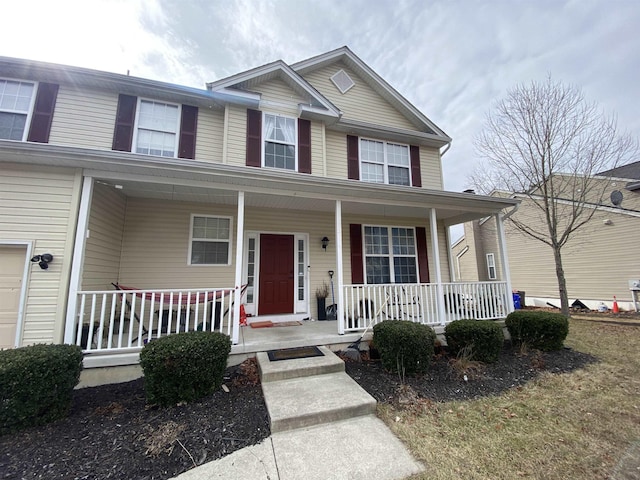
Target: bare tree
[547,143]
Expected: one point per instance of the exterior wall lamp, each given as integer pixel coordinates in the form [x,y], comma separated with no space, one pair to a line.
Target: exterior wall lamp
[325,243]
[43,260]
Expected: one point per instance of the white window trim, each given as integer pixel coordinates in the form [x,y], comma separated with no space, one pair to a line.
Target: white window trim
[491,263]
[386,163]
[390,254]
[134,142]
[193,215]
[27,123]
[264,141]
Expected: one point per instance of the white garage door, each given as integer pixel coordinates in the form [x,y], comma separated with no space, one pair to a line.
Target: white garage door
[11,270]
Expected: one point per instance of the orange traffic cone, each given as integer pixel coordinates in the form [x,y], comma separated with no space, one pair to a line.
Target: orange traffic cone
[615,305]
[243,316]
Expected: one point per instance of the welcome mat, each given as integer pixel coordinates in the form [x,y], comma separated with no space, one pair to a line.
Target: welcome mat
[267,324]
[293,353]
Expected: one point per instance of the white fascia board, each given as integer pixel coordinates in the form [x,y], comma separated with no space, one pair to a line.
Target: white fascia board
[288,75]
[392,133]
[310,112]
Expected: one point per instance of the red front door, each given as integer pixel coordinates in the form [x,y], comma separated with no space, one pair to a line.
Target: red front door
[276,274]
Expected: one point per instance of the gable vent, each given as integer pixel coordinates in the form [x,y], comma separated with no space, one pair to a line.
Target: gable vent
[343,81]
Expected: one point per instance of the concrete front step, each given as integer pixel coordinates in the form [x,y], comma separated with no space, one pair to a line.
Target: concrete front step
[318,399]
[311,391]
[299,367]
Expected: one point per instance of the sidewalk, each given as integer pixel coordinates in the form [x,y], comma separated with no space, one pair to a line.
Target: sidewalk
[323,426]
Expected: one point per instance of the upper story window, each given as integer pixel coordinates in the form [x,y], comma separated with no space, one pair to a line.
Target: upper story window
[390,255]
[210,242]
[384,162]
[16,100]
[280,135]
[150,127]
[157,128]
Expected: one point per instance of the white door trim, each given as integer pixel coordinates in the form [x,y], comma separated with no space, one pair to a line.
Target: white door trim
[28,244]
[297,304]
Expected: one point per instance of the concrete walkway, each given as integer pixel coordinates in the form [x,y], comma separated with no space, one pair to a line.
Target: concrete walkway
[323,426]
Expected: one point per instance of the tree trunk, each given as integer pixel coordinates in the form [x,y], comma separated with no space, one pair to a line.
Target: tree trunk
[562,282]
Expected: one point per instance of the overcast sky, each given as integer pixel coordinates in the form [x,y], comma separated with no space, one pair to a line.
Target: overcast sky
[451,59]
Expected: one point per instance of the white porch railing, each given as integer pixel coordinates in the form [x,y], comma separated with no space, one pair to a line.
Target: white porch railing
[121,320]
[371,304]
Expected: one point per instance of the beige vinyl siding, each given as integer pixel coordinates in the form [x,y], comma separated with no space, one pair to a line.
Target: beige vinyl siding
[237,136]
[336,154]
[431,168]
[209,135]
[102,252]
[361,102]
[155,246]
[598,261]
[278,97]
[84,118]
[39,204]
[318,153]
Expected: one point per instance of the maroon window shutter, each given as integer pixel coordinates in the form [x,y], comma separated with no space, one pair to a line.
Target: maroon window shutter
[125,118]
[423,261]
[43,113]
[357,264]
[353,161]
[254,138]
[304,146]
[416,177]
[188,127]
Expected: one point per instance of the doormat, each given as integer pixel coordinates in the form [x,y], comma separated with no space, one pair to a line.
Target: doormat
[261,324]
[294,353]
[267,324]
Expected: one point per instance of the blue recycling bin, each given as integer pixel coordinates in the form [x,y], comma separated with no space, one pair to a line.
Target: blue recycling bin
[516,301]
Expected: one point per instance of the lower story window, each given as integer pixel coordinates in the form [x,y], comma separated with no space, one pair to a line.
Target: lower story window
[390,255]
[491,266]
[210,240]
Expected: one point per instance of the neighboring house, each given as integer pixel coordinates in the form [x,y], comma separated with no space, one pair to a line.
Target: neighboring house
[203,200]
[599,260]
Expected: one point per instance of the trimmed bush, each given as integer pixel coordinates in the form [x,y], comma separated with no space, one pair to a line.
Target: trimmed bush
[538,329]
[184,367]
[405,347]
[36,384]
[483,338]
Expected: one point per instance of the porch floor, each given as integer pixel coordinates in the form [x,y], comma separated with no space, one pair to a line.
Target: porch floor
[253,340]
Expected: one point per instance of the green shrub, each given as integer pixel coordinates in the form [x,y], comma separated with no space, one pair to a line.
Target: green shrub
[36,384]
[184,367]
[538,329]
[483,338]
[405,347]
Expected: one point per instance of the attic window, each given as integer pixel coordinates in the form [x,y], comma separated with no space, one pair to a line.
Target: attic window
[342,81]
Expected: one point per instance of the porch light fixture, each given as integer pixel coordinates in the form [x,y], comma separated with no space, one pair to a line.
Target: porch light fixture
[325,242]
[43,260]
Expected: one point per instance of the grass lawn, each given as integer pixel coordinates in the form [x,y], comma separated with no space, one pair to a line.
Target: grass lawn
[582,425]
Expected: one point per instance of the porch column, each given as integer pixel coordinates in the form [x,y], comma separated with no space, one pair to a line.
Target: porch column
[235,331]
[340,310]
[78,259]
[504,260]
[436,262]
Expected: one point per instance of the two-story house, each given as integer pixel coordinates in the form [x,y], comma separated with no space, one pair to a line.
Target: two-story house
[197,201]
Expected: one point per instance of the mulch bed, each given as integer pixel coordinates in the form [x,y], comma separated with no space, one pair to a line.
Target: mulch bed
[111,434]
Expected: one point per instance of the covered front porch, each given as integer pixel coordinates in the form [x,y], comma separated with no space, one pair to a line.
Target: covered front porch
[134,278]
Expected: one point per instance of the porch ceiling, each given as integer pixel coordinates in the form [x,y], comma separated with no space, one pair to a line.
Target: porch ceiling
[291,201]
